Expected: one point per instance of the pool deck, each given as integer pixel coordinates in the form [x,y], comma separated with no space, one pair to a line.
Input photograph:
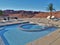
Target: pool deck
[40,21]
[9,23]
[43,21]
[51,39]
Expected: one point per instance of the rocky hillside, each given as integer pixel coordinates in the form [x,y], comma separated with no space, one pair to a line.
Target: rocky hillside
[45,14]
[30,14]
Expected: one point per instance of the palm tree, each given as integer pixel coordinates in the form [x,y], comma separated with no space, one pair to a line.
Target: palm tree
[50,8]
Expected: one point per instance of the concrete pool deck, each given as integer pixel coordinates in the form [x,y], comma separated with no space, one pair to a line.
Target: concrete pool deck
[51,39]
[13,22]
[43,21]
[39,21]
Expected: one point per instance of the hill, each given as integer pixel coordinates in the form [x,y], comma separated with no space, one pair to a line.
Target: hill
[30,14]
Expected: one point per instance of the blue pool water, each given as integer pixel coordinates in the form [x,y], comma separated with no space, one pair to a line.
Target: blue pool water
[31,26]
[12,35]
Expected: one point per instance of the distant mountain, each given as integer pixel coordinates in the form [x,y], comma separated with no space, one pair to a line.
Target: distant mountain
[21,12]
[30,14]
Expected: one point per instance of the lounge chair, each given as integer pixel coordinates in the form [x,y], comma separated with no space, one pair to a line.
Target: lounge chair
[19,19]
[52,17]
[3,21]
[48,17]
[55,19]
[14,19]
[10,20]
[31,22]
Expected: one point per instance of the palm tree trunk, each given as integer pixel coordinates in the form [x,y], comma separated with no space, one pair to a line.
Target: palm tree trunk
[50,14]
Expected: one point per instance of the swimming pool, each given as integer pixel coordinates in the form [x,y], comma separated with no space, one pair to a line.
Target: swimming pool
[12,35]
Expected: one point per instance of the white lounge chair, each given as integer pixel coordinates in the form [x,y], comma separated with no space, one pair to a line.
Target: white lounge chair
[3,21]
[52,17]
[20,19]
[14,19]
[48,17]
[32,22]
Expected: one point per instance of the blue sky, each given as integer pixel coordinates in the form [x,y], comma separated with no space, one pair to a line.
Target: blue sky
[39,5]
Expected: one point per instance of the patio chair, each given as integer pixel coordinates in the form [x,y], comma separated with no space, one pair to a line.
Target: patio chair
[19,19]
[3,21]
[14,19]
[48,17]
[54,18]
